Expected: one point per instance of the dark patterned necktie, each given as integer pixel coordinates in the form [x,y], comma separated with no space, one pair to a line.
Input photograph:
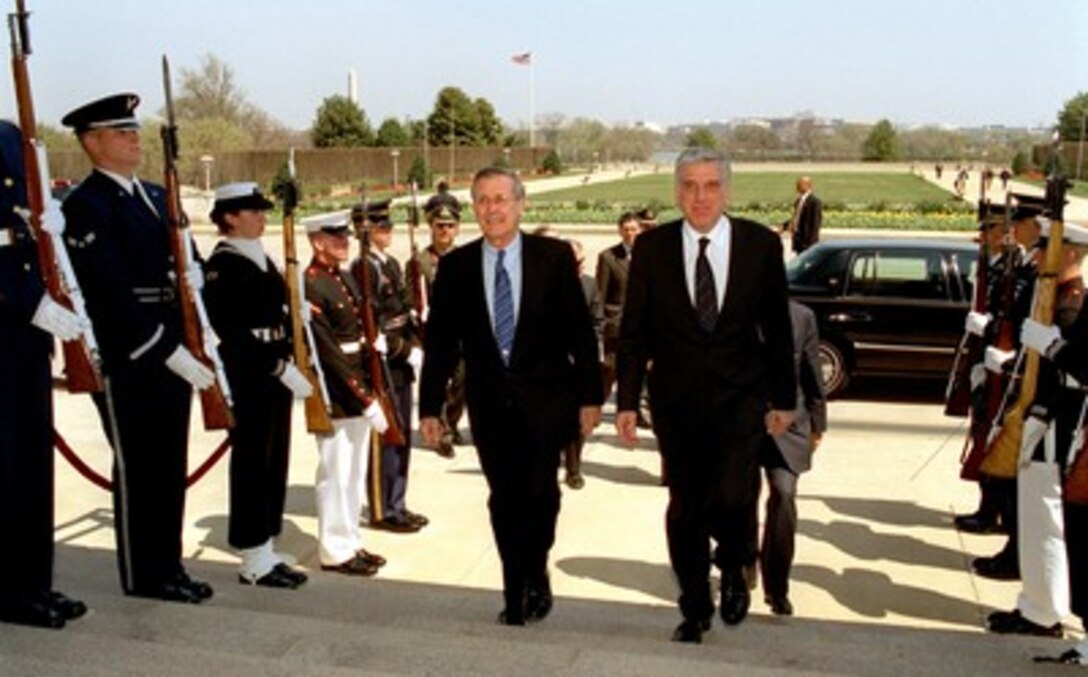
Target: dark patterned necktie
[504,309]
[706,296]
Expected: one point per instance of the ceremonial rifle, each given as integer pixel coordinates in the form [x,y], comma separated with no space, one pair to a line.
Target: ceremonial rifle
[1075,481]
[958,392]
[1003,458]
[377,367]
[318,419]
[199,338]
[82,361]
[413,270]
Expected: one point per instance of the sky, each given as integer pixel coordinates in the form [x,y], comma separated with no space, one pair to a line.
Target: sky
[953,62]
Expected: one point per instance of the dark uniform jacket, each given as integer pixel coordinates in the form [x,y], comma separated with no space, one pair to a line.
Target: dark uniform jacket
[121,253]
[611,276]
[391,299]
[338,332]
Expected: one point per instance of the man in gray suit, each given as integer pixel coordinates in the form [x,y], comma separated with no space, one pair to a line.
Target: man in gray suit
[786,456]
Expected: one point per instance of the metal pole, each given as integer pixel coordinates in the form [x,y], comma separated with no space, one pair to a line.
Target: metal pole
[1080,143]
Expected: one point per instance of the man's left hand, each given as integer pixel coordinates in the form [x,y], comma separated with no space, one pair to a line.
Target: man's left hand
[778,421]
[590,418]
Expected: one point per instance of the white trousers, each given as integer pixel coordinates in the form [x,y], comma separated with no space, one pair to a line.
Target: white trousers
[341,488]
[1044,570]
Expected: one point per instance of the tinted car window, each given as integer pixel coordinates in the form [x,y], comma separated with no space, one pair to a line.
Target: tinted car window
[818,268]
[916,275]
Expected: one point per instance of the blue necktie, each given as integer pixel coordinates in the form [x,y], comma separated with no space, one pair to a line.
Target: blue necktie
[504,309]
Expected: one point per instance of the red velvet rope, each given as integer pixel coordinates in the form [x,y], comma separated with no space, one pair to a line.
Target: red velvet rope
[101,482]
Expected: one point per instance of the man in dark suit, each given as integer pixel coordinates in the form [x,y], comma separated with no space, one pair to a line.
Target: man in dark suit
[786,456]
[117,238]
[511,305]
[808,214]
[611,276]
[707,307]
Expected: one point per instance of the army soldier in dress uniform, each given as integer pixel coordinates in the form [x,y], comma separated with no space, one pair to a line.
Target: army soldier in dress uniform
[117,238]
[392,302]
[335,304]
[29,319]
[246,300]
[443,212]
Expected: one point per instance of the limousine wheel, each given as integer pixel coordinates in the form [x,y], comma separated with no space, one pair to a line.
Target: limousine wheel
[833,368]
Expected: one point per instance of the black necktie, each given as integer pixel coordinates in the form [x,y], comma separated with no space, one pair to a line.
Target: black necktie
[706,296]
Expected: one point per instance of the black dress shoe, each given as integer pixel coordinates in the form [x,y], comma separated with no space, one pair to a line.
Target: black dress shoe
[445,449]
[168,592]
[416,518]
[199,588]
[997,568]
[69,609]
[1071,657]
[36,610]
[977,524]
[735,599]
[538,604]
[511,617]
[292,574]
[690,632]
[456,437]
[372,557]
[780,605]
[398,524]
[273,579]
[356,566]
[575,481]
[1013,623]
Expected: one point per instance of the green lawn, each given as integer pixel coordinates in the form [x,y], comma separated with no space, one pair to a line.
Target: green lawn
[834,188]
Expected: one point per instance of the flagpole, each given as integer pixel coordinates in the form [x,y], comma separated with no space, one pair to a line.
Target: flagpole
[532,115]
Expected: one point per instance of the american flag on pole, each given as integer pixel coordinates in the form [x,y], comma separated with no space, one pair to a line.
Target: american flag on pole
[523,59]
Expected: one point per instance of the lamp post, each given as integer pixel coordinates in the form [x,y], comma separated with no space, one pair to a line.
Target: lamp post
[506,156]
[395,153]
[207,161]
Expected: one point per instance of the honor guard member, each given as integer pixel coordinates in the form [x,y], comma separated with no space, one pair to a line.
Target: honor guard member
[443,212]
[246,300]
[391,299]
[336,306]
[29,319]
[117,238]
[1026,229]
[1048,433]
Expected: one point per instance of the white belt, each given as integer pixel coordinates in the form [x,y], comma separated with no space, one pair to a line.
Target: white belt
[268,334]
[7,237]
[352,347]
[1070,382]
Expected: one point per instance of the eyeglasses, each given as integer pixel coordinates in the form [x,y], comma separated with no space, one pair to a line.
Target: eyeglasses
[445,224]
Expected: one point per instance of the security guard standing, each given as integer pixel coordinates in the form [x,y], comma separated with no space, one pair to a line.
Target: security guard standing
[336,306]
[29,318]
[443,212]
[391,299]
[117,238]
[246,300]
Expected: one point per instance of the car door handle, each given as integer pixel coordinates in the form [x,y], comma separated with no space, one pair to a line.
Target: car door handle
[854,316]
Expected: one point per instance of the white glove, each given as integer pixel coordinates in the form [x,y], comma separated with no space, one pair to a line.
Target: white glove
[53,218]
[376,416]
[305,312]
[995,358]
[54,318]
[294,381]
[194,277]
[182,363]
[380,344]
[1039,337]
[415,359]
[1034,431]
[978,376]
[976,323]
[425,314]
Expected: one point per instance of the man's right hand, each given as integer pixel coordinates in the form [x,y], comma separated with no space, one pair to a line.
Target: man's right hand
[627,427]
[182,363]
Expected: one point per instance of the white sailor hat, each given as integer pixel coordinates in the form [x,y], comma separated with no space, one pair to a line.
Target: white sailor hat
[1071,233]
[234,197]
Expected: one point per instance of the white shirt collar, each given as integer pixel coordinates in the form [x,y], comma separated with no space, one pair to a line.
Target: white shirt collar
[251,249]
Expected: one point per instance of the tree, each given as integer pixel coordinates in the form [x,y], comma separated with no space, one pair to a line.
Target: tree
[552,163]
[340,123]
[882,144]
[391,134]
[490,130]
[458,119]
[420,173]
[1072,117]
[701,137]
